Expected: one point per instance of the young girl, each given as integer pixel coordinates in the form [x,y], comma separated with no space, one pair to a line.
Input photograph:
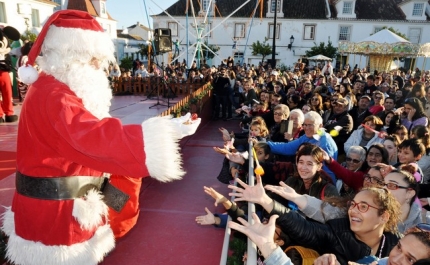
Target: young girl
[391,143]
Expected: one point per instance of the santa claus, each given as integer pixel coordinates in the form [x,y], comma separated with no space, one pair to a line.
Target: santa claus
[68,143]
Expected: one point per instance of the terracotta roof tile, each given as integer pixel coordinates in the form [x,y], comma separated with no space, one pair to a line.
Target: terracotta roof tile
[83,5]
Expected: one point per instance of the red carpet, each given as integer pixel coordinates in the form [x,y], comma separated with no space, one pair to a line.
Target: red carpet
[7,163]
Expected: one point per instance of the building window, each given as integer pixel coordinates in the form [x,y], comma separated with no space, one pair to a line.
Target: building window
[2,13]
[35,21]
[377,29]
[103,8]
[418,9]
[414,35]
[109,29]
[173,26]
[278,28]
[347,8]
[309,32]
[344,32]
[208,29]
[205,4]
[59,5]
[272,6]
[239,30]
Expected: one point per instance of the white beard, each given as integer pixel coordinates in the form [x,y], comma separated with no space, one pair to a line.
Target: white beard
[91,85]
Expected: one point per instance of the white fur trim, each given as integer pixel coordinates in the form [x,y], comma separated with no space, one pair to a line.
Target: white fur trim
[161,137]
[25,252]
[90,210]
[8,222]
[27,74]
[68,42]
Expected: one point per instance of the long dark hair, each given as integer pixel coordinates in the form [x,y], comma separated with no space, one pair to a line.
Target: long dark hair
[418,105]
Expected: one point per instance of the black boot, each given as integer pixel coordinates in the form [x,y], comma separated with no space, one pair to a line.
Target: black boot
[1,120]
[11,118]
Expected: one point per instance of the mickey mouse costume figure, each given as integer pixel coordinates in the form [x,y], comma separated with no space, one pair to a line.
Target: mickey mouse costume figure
[6,108]
[67,143]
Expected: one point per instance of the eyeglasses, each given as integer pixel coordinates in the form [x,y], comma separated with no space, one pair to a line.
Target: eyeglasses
[314,99]
[393,186]
[361,206]
[373,180]
[278,113]
[377,155]
[308,125]
[355,161]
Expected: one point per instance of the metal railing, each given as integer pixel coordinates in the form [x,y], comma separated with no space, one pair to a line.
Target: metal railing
[252,249]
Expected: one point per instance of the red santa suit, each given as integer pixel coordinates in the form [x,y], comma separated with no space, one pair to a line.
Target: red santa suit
[66,142]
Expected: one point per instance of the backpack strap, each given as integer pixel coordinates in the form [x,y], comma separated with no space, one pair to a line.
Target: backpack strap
[323,191]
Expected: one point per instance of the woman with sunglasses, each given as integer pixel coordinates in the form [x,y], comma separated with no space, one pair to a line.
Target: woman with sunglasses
[316,104]
[356,179]
[369,229]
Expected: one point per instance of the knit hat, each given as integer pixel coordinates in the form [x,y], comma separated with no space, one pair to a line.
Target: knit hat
[68,31]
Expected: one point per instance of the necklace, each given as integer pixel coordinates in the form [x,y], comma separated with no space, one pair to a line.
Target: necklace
[382,246]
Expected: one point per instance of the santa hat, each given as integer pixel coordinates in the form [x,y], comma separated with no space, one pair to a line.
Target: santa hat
[68,31]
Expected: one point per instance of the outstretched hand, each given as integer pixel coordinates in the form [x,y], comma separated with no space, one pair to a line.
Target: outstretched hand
[222,151]
[253,194]
[208,219]
[283,190]
[260,234]
[225,134]
[219,198]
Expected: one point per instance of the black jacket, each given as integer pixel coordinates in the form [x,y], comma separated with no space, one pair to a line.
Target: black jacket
[335,236]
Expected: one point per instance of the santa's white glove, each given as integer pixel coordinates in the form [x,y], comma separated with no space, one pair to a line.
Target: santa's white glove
[185,125]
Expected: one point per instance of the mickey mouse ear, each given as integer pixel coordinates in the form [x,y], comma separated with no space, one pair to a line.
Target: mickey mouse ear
[11,33]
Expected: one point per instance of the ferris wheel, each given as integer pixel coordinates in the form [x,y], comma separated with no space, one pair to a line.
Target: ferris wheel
[198,29]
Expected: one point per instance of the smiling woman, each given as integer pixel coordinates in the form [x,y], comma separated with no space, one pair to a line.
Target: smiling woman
[370,228]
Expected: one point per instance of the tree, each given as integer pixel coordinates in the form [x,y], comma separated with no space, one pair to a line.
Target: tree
[329,50]
[210,54]
[28,36]
[126,63]
[143,50]
[261,48]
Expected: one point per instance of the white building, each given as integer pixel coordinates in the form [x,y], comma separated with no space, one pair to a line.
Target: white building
[307,21]
[129,40]
[25,14]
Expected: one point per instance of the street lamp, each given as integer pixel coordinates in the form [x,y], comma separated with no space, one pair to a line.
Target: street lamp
[291,42]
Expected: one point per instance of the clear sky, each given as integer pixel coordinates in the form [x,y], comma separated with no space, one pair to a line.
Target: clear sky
[128,12]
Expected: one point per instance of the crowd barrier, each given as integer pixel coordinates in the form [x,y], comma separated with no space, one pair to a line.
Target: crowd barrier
[252,248]
[194,95]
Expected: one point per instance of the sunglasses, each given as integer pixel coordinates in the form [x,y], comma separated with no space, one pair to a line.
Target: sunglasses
[378,97]
[355,161]
[361,206]
[393,186]
[373,180]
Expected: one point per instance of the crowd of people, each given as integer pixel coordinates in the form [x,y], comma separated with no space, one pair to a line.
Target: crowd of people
[346,161]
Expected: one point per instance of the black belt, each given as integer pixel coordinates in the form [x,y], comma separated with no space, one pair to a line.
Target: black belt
[69,188]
